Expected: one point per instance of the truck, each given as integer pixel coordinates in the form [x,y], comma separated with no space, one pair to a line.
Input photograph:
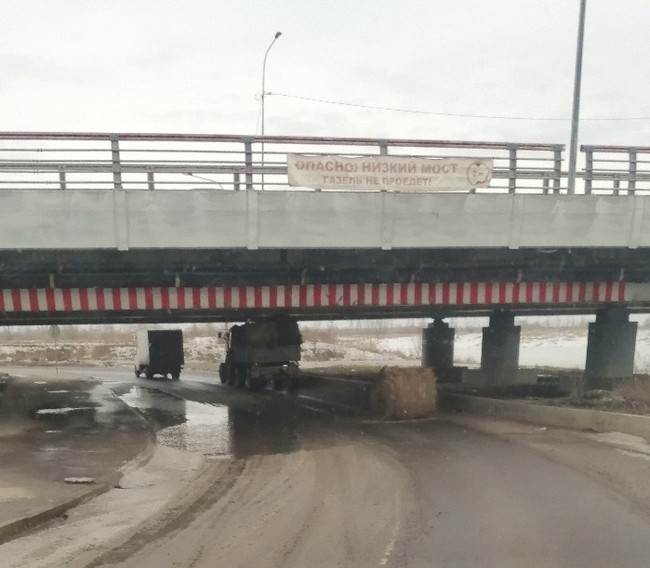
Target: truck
[262,353]
[159,352]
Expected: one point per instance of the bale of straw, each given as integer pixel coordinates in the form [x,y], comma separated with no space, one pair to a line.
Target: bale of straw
[404,393]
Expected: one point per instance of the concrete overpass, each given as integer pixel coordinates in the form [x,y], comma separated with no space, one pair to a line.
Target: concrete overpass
[142,227]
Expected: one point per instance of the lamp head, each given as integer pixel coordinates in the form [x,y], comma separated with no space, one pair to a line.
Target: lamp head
[277,35]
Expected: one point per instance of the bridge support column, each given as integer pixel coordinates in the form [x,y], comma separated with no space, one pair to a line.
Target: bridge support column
[500,349]
[438,347]
[610,348]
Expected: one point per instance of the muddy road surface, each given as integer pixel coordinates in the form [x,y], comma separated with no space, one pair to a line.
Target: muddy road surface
[270,480]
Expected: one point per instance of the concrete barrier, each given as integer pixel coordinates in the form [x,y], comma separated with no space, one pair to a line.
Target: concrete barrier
[352,395]
[393,394]
[561,417]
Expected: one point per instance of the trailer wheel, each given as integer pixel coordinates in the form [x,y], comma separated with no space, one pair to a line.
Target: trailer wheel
[176,374]
[137,372]
[148,373]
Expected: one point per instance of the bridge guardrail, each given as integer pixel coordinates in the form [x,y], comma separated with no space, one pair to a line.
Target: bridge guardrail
[58,160]
[618,170]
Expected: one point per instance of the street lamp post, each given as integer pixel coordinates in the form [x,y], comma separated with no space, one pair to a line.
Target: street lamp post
[277,35]
[575,117]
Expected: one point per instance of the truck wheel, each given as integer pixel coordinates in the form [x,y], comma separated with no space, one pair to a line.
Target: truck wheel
[249,382]
[176,374]
[239,379]
[286,383]
[223,377]
[148,373]
[137,372]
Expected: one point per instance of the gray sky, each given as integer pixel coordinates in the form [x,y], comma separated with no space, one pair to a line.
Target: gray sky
[195,66]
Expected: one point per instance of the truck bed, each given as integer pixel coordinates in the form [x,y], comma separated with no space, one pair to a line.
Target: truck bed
[266,355]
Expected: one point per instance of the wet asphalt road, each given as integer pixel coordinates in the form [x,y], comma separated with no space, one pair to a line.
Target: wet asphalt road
[284,485]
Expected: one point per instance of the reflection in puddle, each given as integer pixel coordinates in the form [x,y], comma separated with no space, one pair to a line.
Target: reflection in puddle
[65,410]
[213,429]
[206,430]
[183,424]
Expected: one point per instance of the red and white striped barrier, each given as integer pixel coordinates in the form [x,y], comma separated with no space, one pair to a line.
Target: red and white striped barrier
[309,296]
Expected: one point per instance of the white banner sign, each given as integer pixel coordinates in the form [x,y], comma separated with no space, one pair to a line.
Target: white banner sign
[388,172]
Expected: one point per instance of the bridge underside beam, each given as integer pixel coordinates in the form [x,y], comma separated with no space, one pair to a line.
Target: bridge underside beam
[314,301]
[237,267]
[220,316]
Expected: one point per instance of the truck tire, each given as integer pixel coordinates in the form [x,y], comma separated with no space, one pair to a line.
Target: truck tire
[239,376]
[223,374]
[148,373]
[250,384]
[176,374]
[287,383]
[137,372]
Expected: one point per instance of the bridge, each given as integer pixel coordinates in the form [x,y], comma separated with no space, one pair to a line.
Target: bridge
[100,227]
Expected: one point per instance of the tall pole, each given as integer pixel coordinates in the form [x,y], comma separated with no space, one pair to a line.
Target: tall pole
[277,35]
[575,117]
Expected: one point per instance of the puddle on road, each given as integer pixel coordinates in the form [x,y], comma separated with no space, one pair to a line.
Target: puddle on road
[79,405]
[210,429]
[183,424]
[206,431]
[64,410]
[262,426]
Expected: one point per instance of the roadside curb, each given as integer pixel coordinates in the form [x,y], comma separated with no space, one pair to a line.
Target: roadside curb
[560,417]
[10,530]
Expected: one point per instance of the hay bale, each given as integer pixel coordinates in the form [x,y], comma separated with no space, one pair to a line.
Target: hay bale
[404,393]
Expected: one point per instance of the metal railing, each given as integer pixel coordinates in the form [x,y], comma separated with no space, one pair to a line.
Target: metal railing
[54,160]
[59,160]
[618,170]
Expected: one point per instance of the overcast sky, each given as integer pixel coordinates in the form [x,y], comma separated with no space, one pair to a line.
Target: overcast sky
[196,66]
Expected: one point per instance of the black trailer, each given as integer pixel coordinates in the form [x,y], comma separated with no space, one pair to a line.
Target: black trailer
[159,352]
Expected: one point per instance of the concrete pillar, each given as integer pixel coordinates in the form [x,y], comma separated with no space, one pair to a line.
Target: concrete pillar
[500,349]
[610,349]
[438,347]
